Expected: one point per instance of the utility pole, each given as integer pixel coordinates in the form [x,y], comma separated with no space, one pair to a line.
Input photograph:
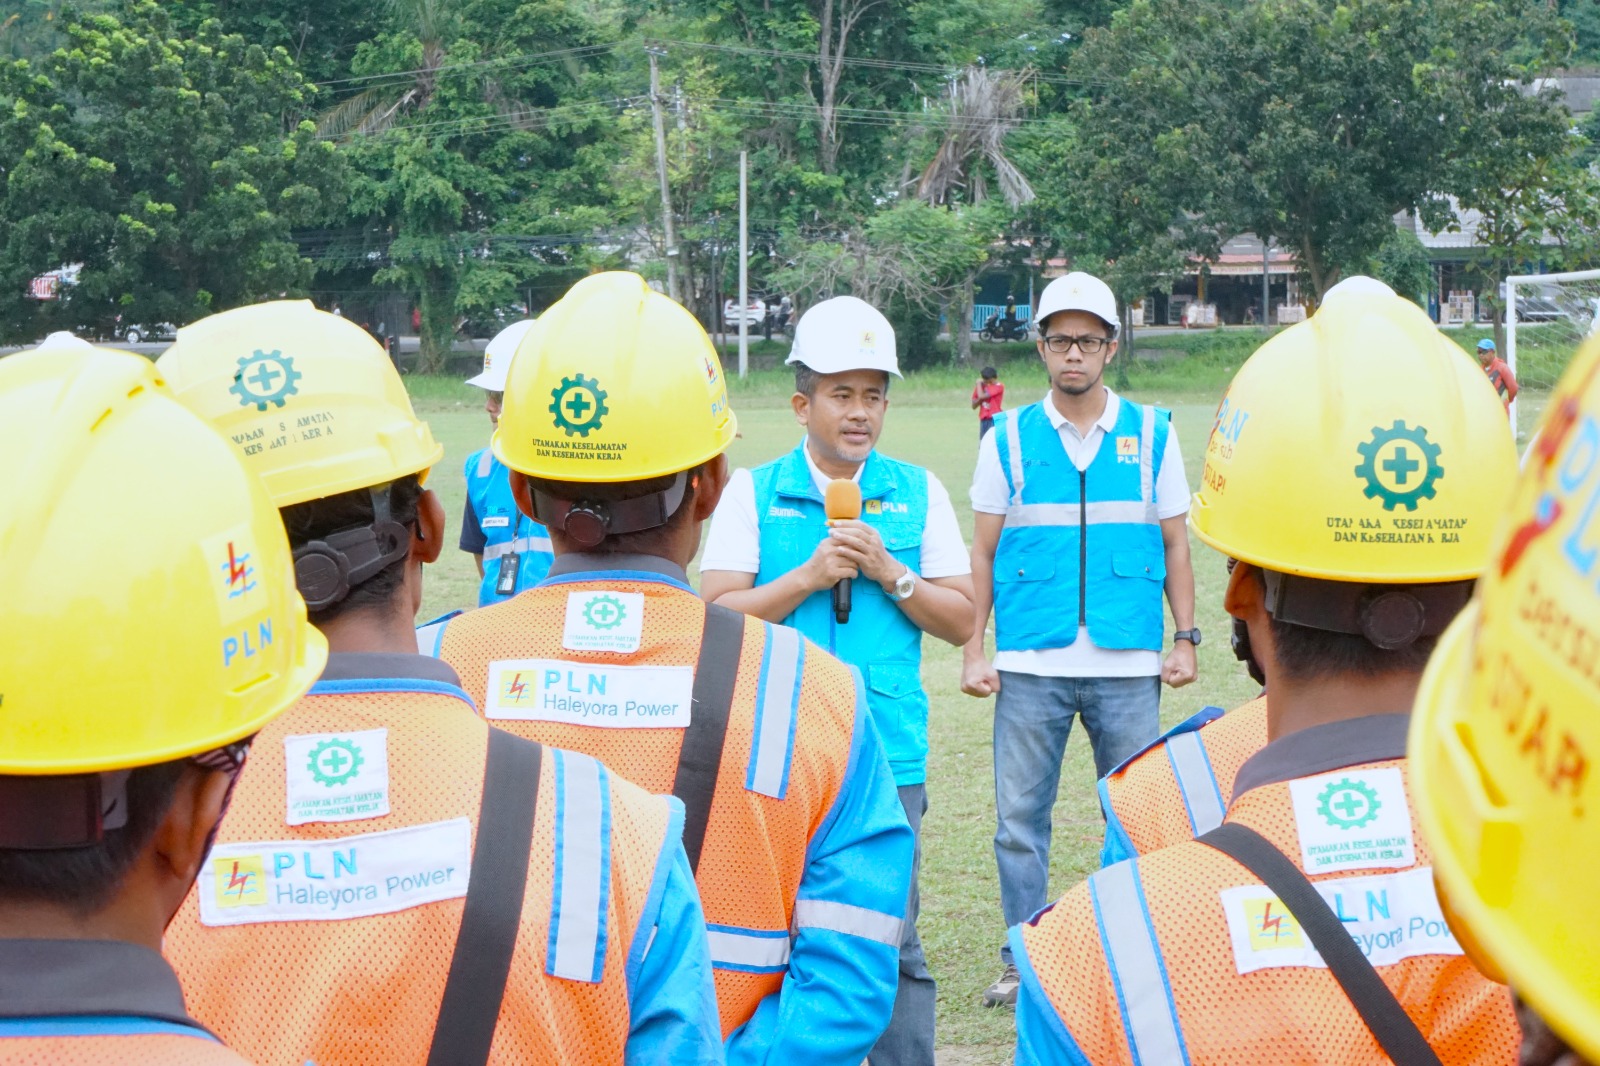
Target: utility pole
[655,53]
[1266,284]
[744,266]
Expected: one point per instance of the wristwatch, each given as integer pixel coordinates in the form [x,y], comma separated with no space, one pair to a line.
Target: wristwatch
[1191,635]
[904,586]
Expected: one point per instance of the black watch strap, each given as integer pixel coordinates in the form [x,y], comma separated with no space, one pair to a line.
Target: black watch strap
[1191,635]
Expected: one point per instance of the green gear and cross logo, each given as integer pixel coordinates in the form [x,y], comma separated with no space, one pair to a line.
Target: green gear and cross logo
[578,404]
[604,612]
[1400,466]
[263,378]
[335,761]
[1348,804]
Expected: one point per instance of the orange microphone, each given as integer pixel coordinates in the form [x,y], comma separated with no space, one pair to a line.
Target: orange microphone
[842,502]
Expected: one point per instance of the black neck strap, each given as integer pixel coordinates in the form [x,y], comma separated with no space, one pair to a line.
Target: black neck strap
[588,522]
[326,570]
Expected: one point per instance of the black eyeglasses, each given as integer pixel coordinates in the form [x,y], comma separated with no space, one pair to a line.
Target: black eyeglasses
[1061,343]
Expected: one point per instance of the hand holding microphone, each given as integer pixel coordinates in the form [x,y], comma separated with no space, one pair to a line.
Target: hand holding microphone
[842,502]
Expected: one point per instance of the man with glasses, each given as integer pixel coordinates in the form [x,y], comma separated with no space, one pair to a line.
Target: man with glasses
[1080,504]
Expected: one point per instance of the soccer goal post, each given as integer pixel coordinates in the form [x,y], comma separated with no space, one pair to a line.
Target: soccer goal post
[1548,317]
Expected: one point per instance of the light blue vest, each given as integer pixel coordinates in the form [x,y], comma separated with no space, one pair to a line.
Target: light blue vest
[1080,548]
[879,639]
[505,529]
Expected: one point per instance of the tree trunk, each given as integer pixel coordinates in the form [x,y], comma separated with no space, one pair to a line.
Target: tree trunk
[438,304]
[961,319]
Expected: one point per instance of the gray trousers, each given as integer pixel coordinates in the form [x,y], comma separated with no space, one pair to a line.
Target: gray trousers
[908,1041]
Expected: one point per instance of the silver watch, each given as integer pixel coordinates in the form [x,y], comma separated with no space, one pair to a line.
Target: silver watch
[904,586]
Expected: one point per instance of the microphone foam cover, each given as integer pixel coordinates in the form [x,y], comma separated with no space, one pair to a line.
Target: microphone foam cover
[842,499]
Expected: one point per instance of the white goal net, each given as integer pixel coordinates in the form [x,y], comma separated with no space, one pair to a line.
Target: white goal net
[1548,317]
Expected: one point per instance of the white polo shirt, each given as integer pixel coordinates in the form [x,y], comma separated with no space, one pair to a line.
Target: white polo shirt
[734,541]
[991,495]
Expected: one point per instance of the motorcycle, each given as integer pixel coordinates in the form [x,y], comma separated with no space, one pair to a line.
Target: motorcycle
[1004,328]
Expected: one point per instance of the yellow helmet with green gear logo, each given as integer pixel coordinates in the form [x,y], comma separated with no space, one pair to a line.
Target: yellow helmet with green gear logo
[1505,738]
[310,399]
[1359,446]
[150,610]
[616,382]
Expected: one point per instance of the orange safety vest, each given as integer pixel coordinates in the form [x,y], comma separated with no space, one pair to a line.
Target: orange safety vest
[1181,956]
[1179,787]
[330,941]
[784,755]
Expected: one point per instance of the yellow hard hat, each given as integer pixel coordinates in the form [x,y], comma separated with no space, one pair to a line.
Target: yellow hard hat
[616,382]
[310,399]
[1505,738]
[150,610]
[1359,446]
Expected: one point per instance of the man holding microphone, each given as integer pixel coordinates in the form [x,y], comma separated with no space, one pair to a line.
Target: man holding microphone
[779,547]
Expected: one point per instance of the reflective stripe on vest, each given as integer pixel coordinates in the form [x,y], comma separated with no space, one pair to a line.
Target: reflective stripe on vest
[429,638]
[1149,1015]
[491,552]
[1101,512]
[748,950]
[577,948]
[485,462]
[67,1025]
[848,919]
[1196,781]
[778,694]
[1066,514]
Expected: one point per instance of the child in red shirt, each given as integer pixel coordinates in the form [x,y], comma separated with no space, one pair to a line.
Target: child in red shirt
[988,396]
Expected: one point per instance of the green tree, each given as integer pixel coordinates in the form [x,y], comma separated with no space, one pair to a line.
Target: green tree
[983,108]
[319,35]
[468,124]
[1309,122]
[170,166]
[908,260]
[1527,195]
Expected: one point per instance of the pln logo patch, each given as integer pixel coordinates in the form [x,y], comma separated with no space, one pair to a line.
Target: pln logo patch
[1127,449]
[1271,926]
[518,688]
[241,576]
[240,881]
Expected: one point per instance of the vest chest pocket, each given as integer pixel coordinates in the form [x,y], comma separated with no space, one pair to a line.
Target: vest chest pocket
[1025,566]
[1145,564]
[902,539]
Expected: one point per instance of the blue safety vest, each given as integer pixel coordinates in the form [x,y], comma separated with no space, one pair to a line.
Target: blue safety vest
[1080,548]
[505,529]
[879,639]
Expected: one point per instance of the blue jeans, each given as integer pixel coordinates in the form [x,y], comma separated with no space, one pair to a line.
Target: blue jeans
[1032,718]
[908,1040]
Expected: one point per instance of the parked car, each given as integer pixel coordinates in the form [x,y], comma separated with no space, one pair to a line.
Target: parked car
[755,313]
[139,333]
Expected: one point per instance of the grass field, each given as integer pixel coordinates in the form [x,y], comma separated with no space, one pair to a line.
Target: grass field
[930,423]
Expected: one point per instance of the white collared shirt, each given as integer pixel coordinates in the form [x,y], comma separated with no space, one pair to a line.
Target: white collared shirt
[991,495]
[734,540]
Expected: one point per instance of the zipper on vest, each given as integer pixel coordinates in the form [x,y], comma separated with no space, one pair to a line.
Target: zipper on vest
[1083,549]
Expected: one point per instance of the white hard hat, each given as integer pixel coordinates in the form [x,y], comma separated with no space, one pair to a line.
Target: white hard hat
[63,339]
[1078,291]
[497,356]
[1358,285]
[844,333]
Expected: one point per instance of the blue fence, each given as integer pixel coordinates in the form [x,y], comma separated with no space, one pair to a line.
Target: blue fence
[982,312]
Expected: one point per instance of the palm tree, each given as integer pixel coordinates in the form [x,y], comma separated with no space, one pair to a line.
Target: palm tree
[984,106]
